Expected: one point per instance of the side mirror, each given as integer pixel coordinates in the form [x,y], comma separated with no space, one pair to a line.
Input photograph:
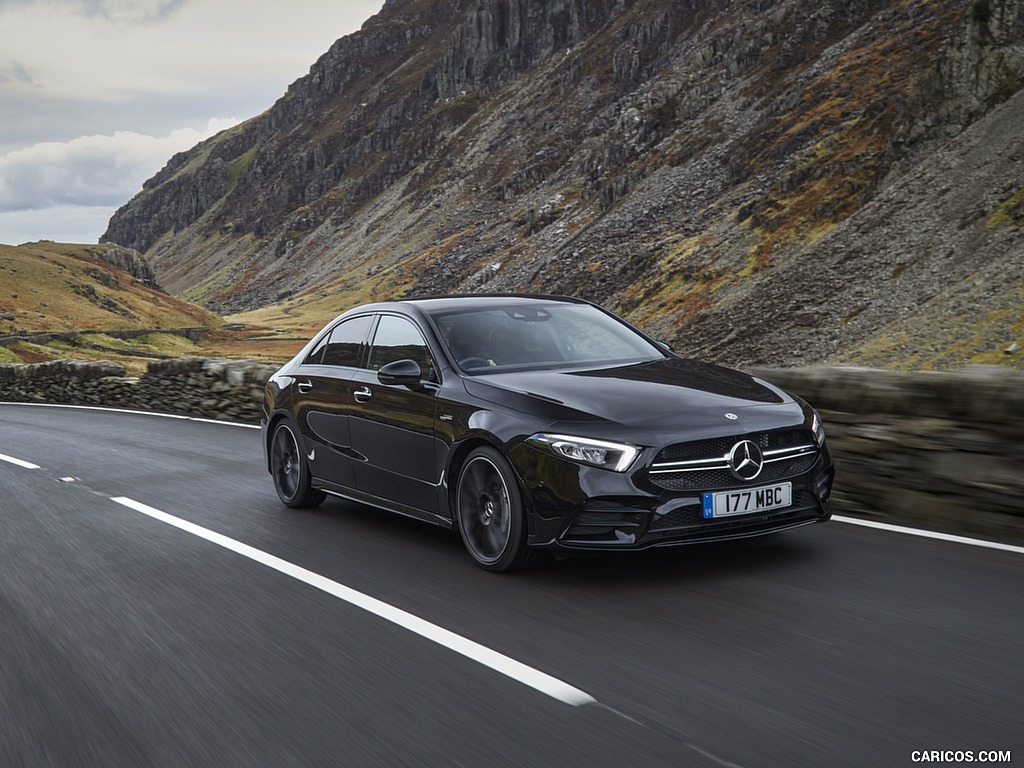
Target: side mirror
[403,372]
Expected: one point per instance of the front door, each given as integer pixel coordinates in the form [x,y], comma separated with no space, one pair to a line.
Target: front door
[392,426]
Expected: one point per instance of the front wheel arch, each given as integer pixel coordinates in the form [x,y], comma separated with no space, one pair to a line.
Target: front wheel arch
[459,452]
[458,457]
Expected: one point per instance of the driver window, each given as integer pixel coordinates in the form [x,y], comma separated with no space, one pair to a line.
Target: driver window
[398,339]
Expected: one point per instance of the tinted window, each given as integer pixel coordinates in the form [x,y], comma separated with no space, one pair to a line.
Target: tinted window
[347,342]
[520,337]
[398,339]
[317,355]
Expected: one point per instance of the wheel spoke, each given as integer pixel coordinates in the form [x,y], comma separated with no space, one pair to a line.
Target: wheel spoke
[484,510]
[284,459]
[474,481]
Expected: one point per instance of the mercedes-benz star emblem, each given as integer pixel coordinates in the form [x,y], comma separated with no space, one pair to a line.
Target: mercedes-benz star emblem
[746,460]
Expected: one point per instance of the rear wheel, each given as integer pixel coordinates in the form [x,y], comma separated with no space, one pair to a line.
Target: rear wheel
[288,467]
[489,512]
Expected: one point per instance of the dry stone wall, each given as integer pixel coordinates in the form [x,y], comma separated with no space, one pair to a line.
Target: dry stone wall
[943,451]
[210,388]
[938,450]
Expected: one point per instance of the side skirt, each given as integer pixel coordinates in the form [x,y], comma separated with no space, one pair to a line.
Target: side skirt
[388,506]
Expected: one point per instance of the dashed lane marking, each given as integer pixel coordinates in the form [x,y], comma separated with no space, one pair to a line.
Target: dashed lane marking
[19,462]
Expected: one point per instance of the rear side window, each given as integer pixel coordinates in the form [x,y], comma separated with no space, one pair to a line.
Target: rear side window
[317,355]
[346,343]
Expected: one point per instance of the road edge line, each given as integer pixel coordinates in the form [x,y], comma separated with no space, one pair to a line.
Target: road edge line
[137,413]
[951,537]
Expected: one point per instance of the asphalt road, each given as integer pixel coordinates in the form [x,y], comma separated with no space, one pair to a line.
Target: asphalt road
[228,630]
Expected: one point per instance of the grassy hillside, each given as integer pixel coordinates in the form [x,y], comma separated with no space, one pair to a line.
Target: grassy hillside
[59,287]
[48,286]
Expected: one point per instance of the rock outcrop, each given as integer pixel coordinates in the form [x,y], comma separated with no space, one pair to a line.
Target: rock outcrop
[127,260]
[671,160]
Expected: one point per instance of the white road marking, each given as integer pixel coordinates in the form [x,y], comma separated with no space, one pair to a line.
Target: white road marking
[19,462]
[930,534]
[518,671]
[138,413]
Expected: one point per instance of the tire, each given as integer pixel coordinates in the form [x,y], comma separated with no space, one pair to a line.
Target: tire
[288,467]
[489,512]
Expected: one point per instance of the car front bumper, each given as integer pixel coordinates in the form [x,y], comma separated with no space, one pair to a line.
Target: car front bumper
[575,507]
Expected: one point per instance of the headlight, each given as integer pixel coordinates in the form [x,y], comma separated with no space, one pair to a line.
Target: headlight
[597,453]
[818,428]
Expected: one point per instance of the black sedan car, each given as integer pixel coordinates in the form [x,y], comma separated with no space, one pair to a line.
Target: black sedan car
[538,422]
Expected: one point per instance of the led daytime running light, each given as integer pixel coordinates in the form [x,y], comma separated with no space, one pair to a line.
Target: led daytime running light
[818,428]
[599,453]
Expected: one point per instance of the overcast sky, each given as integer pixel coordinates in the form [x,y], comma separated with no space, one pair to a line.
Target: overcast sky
[96,95]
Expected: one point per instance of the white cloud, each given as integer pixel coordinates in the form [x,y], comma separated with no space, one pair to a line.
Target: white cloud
[91,170]
[62,223]
[93,93]
[114,50]
[78,179]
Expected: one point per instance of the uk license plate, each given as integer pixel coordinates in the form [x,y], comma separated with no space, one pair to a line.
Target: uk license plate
[747,501]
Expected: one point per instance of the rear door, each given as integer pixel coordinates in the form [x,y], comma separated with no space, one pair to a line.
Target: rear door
[324,392]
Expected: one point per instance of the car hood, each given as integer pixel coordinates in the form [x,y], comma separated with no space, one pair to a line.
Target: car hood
[672,394]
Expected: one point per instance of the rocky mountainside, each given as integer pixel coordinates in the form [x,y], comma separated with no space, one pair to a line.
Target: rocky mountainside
[766,181]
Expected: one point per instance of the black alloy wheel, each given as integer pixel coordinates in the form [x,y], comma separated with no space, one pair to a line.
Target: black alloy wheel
[489,512]
[290,471]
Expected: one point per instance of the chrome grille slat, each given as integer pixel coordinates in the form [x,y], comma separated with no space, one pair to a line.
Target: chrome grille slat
[697,465]
[791,451]
[682,466]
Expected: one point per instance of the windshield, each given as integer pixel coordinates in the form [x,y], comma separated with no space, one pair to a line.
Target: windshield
[537,336]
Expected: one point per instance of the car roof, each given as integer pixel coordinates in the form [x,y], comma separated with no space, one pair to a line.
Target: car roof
[432,304]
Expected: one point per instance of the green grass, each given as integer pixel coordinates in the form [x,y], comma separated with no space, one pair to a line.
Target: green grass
[168,344]
[1010,212]
[239,166]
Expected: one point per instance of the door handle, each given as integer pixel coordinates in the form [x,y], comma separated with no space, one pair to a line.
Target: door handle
[304,387]
[362,394]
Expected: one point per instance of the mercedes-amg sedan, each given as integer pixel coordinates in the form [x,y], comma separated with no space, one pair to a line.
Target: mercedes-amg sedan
[539,422]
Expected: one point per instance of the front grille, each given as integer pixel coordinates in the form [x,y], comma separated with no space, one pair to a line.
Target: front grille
[678,518]
[704,463]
